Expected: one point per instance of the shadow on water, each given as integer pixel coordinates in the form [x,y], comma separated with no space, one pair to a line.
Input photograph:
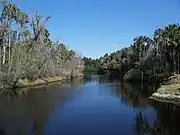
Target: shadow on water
[167,116]
[119,108]
[28,112]
[134,94]
[167,121]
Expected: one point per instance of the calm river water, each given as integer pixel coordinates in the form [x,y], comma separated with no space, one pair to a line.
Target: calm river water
[94,106]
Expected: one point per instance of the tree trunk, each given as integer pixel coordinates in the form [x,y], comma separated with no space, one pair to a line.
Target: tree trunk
[0,57]
[165,58]
[157,47]
[4,54]
[21,33]
[142,76]
[9,46]
[174,61]
[178,61]
[9,43]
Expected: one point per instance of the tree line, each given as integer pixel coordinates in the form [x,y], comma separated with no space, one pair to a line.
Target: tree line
[90,65]
[147,58]
[27,52]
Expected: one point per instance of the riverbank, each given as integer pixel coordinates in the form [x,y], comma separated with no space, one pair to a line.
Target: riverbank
[27,83]
[169,91]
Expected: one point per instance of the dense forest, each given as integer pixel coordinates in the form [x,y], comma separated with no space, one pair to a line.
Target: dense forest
[27,52]
[91,66]
[147,58]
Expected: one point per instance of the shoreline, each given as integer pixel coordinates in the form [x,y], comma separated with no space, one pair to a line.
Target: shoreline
[169,91]
[175,101]
[27,83]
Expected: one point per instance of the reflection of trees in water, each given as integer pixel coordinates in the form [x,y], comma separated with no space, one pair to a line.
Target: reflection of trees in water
[132,94]
[141,125]
[30,112]
[107,79]
[136,96]
[47,103]
[167,121]
[167,115]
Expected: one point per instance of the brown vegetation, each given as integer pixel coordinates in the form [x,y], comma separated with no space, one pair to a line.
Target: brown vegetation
[31,55]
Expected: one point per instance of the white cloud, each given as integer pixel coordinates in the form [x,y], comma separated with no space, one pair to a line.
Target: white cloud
[115,45]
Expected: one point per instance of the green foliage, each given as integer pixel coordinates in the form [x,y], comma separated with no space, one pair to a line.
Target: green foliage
[160,77]
[156,58]
[132,74]
[135,75]
[91,65]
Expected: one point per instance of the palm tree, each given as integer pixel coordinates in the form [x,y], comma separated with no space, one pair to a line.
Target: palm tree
[9,13]
[172,44]
[167,43]
[141,45]
[23,19]
[38,26]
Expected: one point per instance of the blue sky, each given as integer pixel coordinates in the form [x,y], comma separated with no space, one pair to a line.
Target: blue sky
[94,27]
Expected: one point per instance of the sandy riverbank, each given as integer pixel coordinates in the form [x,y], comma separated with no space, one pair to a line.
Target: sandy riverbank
[169,91]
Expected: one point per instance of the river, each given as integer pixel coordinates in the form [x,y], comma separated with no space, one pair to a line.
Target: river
[93,106]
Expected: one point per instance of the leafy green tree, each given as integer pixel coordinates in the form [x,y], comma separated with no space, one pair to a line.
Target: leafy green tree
[159,55]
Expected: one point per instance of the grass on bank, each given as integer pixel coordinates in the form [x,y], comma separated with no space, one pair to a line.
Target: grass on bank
[27,83]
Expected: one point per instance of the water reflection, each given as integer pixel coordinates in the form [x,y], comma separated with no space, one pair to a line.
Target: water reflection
[167,116]
[133,94]
[93,106]
[141,125]
[167,120]
[28,113]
